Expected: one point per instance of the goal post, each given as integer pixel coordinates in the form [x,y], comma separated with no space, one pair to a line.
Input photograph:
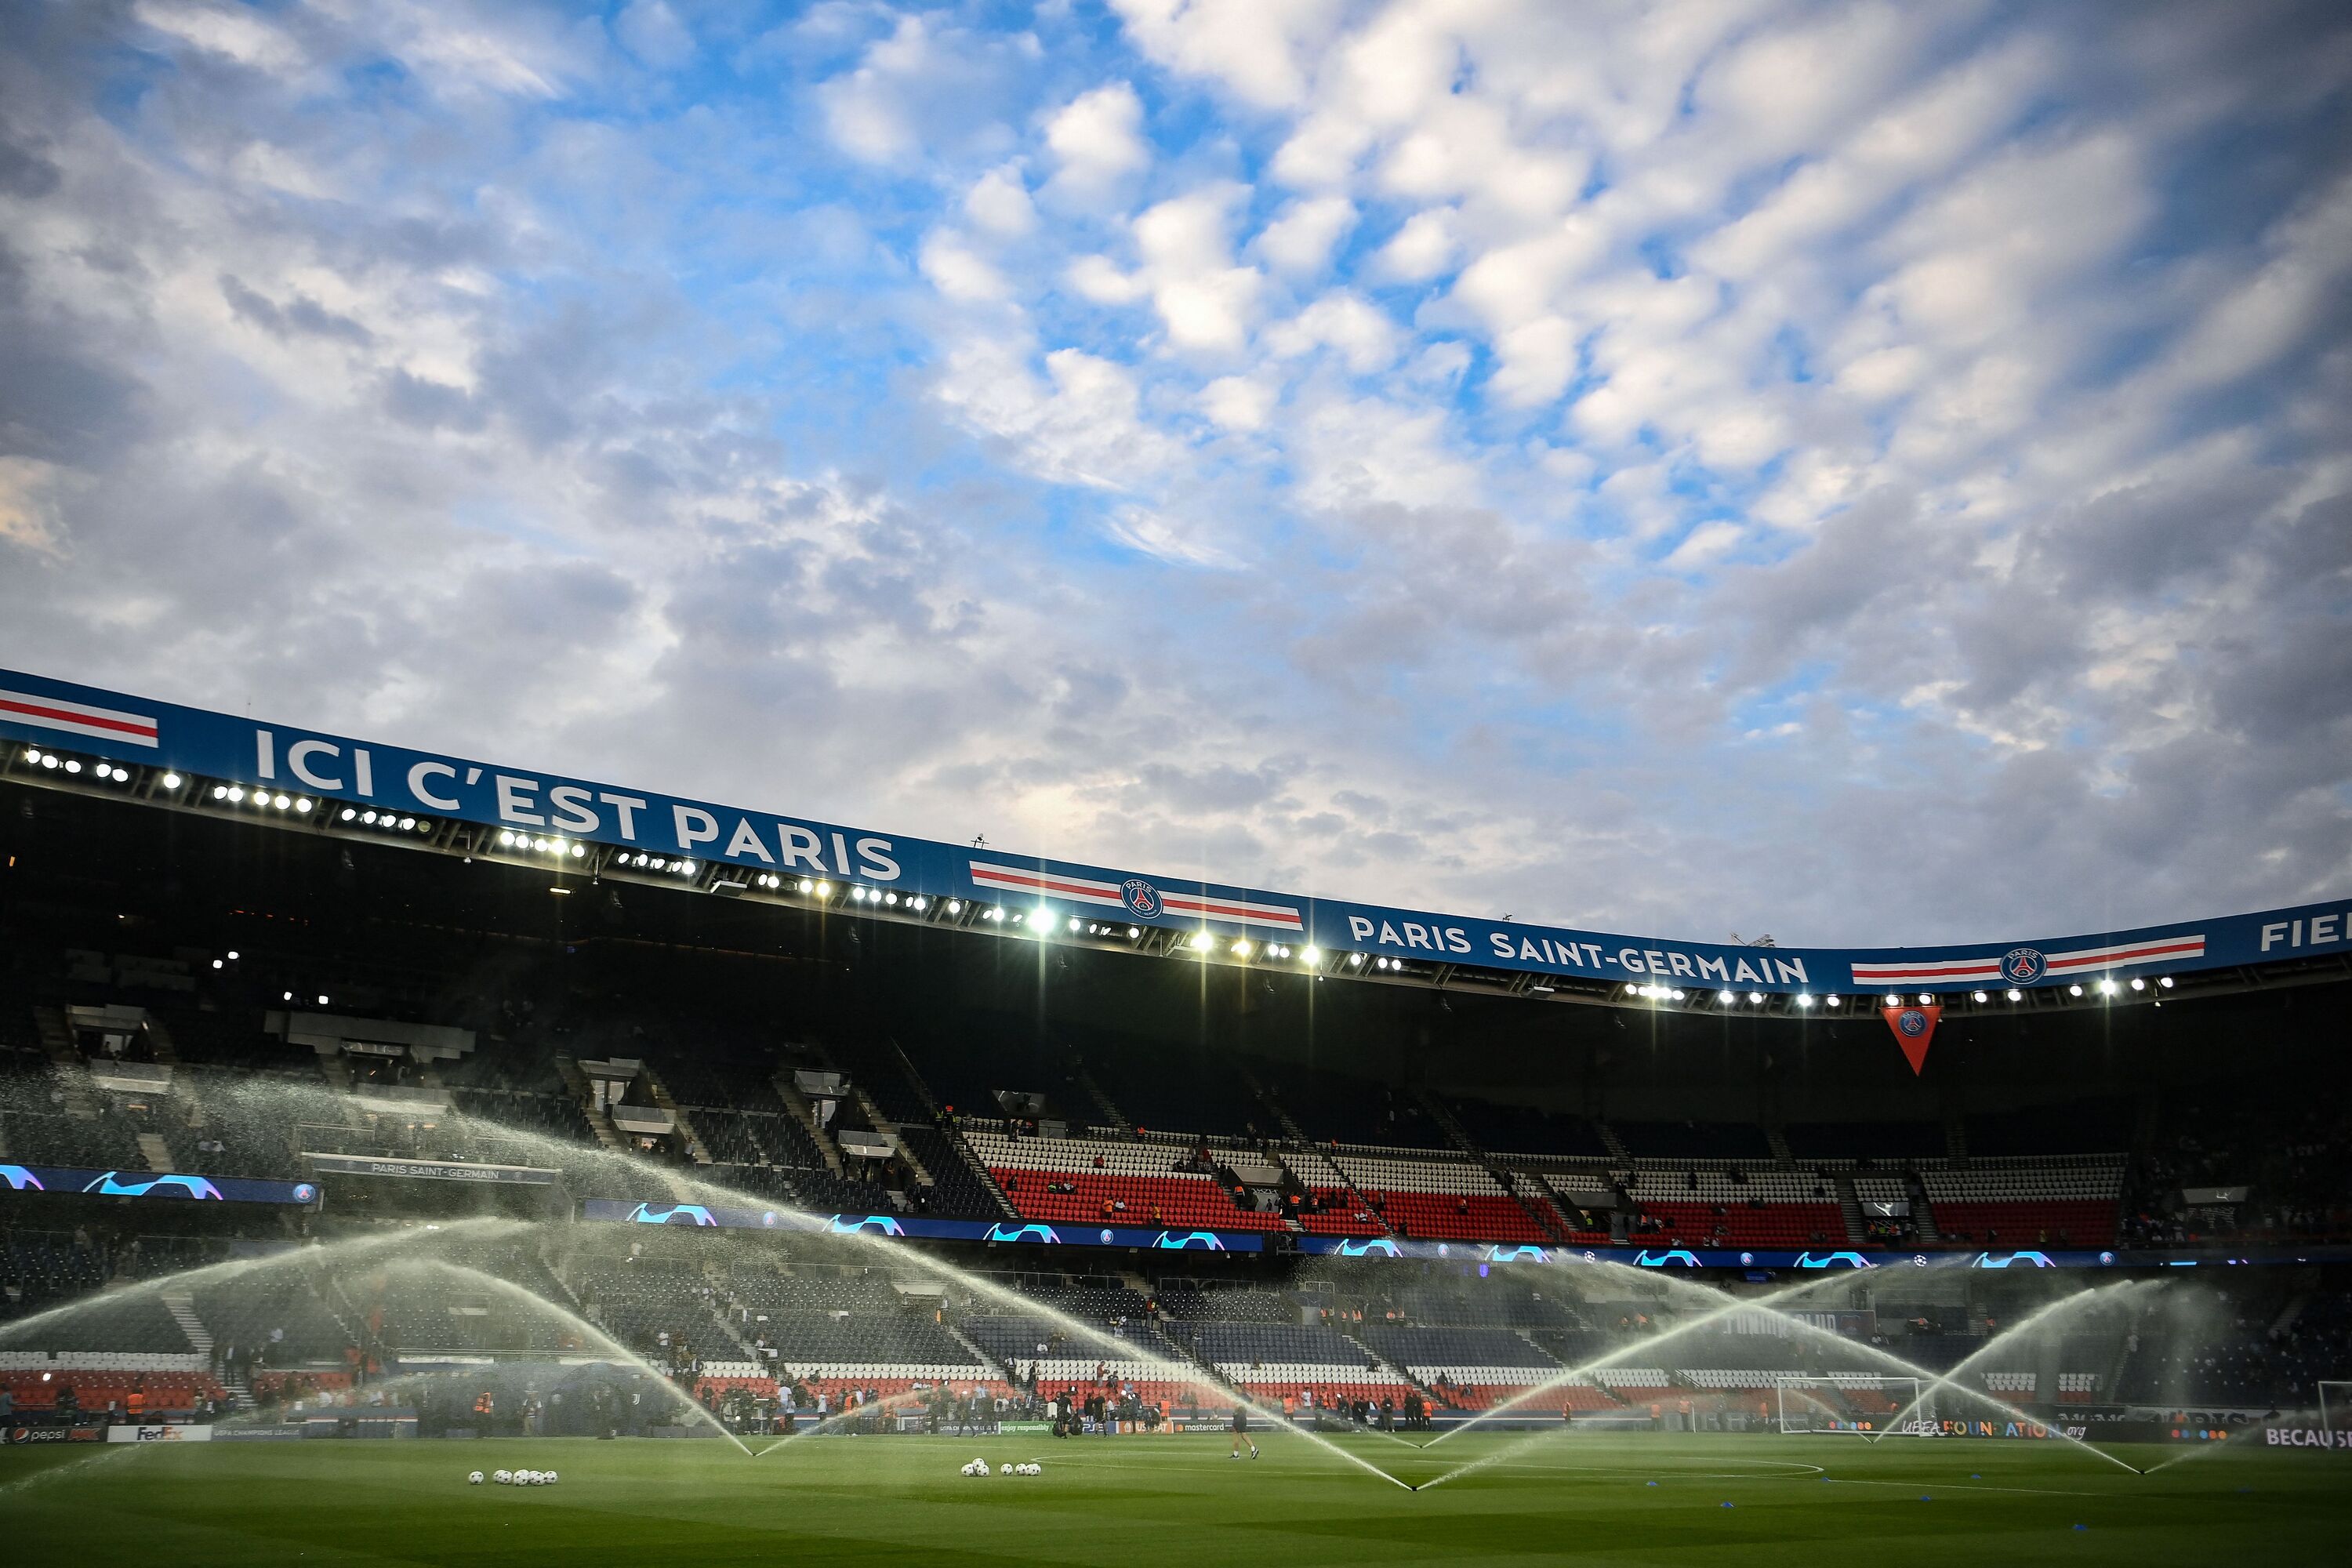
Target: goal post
[2335,1408]
[1850,1403]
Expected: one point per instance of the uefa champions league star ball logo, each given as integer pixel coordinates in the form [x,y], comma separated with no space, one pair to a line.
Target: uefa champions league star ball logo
[2023,965]
[1912,1022]
[1141,898]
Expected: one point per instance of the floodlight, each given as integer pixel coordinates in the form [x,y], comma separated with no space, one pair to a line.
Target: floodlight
[2137,984]
[1201,940]
[1310,955]
[1756,998]
[2016,995]
[1837,1001]
[1976,996]
[1241,947]
[1926,1000]
[2073,990]
[2165,982]
[1355,961]
[72,766]
[171,781]
[1805,999]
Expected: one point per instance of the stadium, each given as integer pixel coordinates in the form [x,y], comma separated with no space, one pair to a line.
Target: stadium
[367,1130]
[1276,783]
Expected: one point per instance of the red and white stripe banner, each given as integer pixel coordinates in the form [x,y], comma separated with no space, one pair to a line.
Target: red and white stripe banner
[80,719]
[1110,895]
[1989,970]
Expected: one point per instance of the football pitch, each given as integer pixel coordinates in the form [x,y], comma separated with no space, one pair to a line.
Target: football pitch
[1601,1498]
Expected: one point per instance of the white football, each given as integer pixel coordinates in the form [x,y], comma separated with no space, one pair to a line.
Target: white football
[474,1480]
[504,1478]
[549,1477]
[1005,1468]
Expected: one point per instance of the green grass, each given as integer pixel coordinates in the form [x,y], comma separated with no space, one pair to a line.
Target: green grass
[1171,1501]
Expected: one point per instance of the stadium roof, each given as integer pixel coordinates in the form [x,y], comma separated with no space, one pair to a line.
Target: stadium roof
[110,743]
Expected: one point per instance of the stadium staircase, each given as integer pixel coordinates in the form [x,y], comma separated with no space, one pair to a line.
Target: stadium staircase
[1250,1081]
[919,1173]
[182,1308]
[663,1100]
[72,1073]
[1849,1208]
[1922,1212]
[1112,1117]
[1778,1142]
[995,1364]
[1537,1205]
[156,1152]
[1619,1154]
[584,1095]
[805,1114]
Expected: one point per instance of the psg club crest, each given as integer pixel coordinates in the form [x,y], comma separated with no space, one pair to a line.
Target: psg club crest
[1141,898]
[2023,965]
[1915,1030]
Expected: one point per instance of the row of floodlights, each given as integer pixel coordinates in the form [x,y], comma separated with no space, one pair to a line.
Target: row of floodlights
[2105,986]
[111,772]
[1041,921]
[388,821]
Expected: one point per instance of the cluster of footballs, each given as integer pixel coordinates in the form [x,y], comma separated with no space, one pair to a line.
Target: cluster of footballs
[514,1477]
[979,1468]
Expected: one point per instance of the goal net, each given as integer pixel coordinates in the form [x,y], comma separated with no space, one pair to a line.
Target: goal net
[2335,1410]
[1854,1403]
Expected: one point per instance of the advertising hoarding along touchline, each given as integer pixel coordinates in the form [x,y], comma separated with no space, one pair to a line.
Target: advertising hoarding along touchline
[39,712]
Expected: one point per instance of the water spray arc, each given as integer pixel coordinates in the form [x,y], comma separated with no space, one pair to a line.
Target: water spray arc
[2063,1306]
[1873,1352]
[894,1255]
[331,1254]
[589,1331]
[1727,1305]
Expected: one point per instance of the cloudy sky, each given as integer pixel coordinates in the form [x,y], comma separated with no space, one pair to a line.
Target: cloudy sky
[1858,472]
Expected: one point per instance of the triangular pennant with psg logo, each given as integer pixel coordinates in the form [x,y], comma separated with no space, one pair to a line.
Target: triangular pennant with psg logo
[1914,1028]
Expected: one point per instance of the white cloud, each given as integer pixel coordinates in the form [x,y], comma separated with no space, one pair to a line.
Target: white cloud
[654,34]
[1239,403]
[1254,47]
[999,202]
[1081,425]
[958,273]
[232,32]
[1300,240]
[1097,140]
[1366,340]
[1156,535]
[1204,301]
[1424,248]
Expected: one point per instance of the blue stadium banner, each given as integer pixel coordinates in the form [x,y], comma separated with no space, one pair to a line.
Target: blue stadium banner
[162,1186]
[88,721]
[921,1227]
